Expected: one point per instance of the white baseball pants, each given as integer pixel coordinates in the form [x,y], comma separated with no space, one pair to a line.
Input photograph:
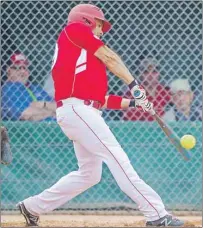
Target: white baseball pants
[94,143]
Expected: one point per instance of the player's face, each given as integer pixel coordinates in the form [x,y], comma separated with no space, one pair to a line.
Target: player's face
[18,73]
[182,99]
[98,29]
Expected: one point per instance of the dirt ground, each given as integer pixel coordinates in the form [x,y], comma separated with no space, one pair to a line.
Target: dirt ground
[91,221]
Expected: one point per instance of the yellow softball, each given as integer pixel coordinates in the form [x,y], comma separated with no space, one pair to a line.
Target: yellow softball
[188,141]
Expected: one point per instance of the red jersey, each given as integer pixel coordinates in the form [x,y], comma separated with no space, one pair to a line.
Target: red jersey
[160,100]
[76,71]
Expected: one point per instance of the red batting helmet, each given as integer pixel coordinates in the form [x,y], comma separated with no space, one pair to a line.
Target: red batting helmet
[86,13]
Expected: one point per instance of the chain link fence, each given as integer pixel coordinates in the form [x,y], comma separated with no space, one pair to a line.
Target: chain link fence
[166,34]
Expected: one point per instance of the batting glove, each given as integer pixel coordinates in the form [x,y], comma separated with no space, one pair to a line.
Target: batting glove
[145,106]
[137,91]
[140,97]
[148,107]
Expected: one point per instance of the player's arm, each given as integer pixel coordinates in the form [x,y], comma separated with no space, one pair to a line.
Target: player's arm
[114,64]
[82,37]
[118,102]
[117,67]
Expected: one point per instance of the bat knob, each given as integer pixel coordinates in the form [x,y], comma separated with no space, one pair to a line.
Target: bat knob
[152,112]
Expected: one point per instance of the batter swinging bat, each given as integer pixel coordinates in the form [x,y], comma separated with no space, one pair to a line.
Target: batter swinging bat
[173,138]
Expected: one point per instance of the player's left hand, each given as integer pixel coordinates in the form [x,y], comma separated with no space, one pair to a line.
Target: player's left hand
[146,106]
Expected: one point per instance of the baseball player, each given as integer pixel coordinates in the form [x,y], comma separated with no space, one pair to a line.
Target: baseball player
[80,80]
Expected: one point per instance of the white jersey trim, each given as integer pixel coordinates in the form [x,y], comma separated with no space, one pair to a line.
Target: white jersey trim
[82,58]
[81,65]
[80,69]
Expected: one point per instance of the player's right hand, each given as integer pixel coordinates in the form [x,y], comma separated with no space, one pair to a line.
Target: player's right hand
[140,97]
[137,91]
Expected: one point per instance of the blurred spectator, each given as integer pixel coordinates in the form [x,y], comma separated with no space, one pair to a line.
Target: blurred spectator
[183,106]
[49,85]
[157,93]
[22,100]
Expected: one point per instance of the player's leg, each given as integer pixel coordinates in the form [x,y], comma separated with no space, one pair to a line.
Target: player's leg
[97,138]
[102,142]
[69,186]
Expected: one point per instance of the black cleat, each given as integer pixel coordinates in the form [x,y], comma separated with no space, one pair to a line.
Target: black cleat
[167,220]
[31,220]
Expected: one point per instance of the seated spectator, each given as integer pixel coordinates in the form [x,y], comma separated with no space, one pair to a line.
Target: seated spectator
[22,100]
[49,85]
[157,93]
[183,106]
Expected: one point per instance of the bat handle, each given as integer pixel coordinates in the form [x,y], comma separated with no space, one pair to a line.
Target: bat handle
[152,112]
